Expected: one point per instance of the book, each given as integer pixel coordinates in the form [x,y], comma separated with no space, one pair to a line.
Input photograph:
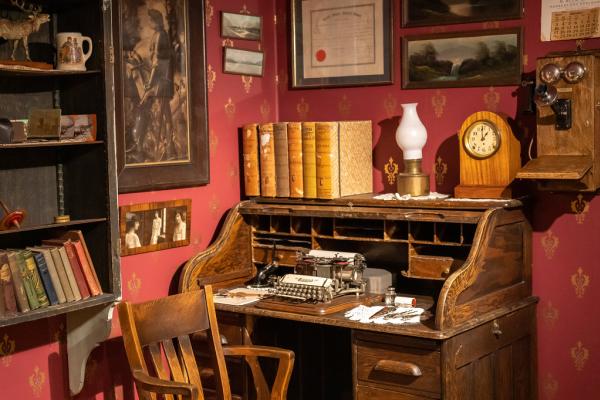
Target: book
[309,160]
[56,283]
[65,274]
[268,184]
[294,132]
[35,278]
[88,270]
[282,164]
[77,235]
[73,263]
[7,289]
[75,266]
[328,167]
[250,159]
[355,157]
[27,280]
[45,276]
[20,294]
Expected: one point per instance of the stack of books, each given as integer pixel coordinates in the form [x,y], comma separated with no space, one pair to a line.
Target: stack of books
[311,160]
[56,272]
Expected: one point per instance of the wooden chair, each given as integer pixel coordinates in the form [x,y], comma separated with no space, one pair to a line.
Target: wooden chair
[159,329]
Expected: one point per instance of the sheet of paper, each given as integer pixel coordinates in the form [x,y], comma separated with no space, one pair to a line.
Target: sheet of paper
[573,19]
[340,38]
[239,296]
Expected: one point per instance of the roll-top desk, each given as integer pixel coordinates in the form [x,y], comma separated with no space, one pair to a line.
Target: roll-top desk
[472,259]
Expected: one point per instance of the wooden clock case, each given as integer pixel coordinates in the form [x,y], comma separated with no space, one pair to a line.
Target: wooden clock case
[488,177]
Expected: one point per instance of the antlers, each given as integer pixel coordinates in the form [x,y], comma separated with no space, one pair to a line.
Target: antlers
[30,9]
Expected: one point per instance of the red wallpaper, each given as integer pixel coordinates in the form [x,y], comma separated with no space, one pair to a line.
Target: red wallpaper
[33,357]
[566,232]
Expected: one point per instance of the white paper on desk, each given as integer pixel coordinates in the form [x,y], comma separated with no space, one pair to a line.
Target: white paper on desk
[232,300]
[331,254]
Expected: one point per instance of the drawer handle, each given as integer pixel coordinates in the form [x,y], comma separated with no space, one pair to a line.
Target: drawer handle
[398,367]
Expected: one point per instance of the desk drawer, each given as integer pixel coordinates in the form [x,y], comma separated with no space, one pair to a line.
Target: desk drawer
[368,393]
[398,363]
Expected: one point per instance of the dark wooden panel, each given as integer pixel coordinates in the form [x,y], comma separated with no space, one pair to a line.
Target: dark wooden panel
[524,374]
[503,373]
[483,378]
[369,393]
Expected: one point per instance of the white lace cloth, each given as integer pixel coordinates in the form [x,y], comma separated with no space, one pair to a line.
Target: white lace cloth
[396,196]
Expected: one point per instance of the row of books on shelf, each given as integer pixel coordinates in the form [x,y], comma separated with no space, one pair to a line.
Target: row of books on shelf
[323,160]
[56,272]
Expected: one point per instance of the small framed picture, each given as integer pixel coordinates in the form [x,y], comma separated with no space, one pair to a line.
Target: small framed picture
[157,226]
[241,26]
[243,62]
[444,12]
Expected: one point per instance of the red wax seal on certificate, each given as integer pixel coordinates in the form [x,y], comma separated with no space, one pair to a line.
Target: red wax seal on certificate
[321,55]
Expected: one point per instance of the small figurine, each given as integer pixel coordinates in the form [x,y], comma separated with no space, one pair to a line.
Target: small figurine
[11,219]
[21,29]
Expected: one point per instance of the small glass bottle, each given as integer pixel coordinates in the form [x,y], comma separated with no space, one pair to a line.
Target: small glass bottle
[390,296]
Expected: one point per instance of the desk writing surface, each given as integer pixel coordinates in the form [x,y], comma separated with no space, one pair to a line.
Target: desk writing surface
[425,329]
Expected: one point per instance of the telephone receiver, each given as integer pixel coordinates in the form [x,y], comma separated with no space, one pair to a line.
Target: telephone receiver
[261,280]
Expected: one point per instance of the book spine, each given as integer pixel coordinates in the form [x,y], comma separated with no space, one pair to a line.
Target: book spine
[36,280]
[70,274]
[250,159]
[268,185]
[309,160]
[45,276]
[8,288]
[60,293]
[89,259]
[27,279]
[62,274]
[294,132]
[77,270]
[282,164]
[86,268]
[20,293]
[328,170]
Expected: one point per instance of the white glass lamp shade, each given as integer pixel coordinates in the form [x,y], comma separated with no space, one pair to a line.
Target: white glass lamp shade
[411,134]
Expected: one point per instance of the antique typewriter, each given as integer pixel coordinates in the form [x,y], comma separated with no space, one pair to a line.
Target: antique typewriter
[321,276]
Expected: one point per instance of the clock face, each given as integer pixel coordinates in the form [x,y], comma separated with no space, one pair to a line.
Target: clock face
[482,139]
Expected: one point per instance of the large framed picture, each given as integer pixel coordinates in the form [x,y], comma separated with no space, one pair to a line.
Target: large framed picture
[157,226]
[463,59]
[341,43]
[443,12]
[161,106]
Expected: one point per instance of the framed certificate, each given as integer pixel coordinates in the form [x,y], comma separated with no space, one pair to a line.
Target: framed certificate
[341,43]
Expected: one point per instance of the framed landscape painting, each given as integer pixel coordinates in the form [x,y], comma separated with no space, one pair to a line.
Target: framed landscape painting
[443,12]
[160,90]
[484,58]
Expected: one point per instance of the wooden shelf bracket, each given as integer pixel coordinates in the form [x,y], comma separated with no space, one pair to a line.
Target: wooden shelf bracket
[86,329]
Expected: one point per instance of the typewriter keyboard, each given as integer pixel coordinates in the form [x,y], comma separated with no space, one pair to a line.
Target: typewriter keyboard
[304,287]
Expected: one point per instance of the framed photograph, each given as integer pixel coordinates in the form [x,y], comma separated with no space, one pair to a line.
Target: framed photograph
[154,226]
[444,12]
[241,26]
[44,123]
[160,88]
[243,62]
[341,43]
[484,58]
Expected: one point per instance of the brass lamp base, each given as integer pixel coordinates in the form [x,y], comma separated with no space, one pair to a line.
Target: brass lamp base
[412,181]
[62,219]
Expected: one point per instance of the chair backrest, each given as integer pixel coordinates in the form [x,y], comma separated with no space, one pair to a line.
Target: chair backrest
[159,330]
